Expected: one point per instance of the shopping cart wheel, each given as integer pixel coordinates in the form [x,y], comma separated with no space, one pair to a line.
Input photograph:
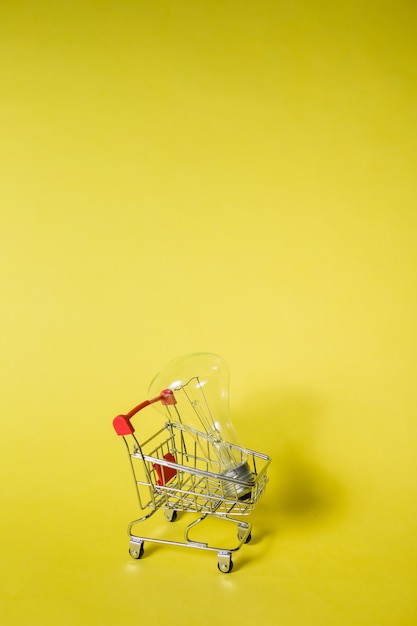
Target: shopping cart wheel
[225,563]
[136,550]
[242,530]
[170,515]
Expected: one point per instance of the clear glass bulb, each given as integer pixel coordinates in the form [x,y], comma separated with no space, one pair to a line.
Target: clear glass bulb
[200,384]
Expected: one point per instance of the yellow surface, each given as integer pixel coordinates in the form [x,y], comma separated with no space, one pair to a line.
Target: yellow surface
[237,177]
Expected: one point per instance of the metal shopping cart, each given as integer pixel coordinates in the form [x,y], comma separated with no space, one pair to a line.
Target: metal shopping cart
[179,468]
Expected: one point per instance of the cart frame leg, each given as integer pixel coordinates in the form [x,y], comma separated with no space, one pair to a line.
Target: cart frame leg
[224,555]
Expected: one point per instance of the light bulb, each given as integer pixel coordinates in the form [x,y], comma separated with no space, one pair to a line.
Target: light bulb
[200,384]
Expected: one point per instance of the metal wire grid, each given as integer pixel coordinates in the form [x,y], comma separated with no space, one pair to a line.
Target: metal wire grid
[195,487]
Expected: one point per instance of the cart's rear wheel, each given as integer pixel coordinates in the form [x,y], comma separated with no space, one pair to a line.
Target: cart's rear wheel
[171,515]
[137,550]
[242,530]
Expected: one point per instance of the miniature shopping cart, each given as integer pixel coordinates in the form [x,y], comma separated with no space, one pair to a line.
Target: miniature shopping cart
[177,469]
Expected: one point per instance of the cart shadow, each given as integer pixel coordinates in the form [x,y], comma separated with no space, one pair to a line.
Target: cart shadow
[301,491]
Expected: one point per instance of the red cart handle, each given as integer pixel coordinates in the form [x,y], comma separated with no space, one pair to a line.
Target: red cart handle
[122,424]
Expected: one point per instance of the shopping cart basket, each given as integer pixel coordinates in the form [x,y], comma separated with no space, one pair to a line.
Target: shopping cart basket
[177,469]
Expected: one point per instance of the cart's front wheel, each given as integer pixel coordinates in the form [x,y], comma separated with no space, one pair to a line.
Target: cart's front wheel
[136,550]
[225,563]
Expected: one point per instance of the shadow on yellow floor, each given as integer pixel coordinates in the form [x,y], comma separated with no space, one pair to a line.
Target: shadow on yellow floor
[301,490]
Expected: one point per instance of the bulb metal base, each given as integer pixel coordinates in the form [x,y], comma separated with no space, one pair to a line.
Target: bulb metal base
[242,473]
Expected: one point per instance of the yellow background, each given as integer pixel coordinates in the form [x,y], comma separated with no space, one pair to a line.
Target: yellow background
[230,176]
